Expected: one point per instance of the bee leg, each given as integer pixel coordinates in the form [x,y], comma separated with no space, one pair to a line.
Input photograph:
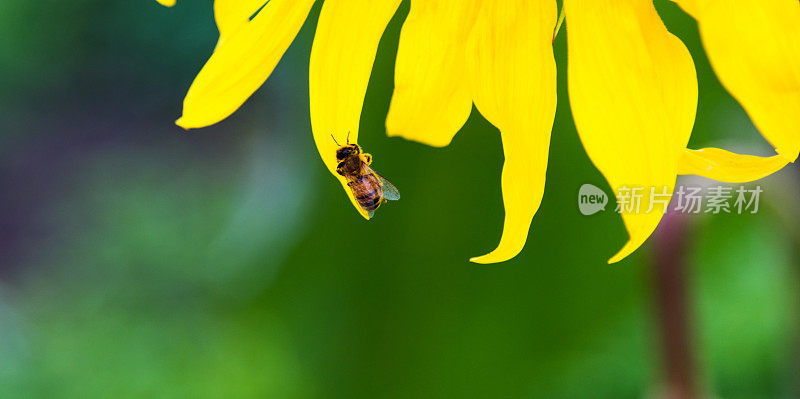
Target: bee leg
[367,158]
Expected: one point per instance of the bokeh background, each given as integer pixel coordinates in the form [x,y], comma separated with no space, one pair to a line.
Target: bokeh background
[139,260]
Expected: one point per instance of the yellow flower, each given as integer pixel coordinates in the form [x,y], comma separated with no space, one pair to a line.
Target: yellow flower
[754,47]
[632,84]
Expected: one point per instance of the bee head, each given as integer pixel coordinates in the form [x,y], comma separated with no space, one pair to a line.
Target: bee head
[347,151]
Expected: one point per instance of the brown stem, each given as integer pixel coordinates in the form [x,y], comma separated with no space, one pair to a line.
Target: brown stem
[672,301]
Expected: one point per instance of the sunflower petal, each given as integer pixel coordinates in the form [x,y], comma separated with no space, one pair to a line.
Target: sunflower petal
[168,3]
[514,87]
[690,6]
[348,33]
[242,62]
[726,166]
[431,98]
[633,92]
[232,14]
[754,47]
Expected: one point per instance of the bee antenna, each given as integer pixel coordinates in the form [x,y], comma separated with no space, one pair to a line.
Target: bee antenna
[348,137]
[334,140]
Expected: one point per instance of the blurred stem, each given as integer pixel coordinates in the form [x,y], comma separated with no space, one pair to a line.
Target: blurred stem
[672,302]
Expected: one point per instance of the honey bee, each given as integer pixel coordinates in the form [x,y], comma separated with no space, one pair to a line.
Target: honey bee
[369,188]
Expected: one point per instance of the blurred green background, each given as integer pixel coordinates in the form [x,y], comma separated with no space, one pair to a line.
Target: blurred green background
[138,260]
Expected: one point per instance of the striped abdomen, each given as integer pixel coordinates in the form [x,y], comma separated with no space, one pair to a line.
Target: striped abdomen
[367,190]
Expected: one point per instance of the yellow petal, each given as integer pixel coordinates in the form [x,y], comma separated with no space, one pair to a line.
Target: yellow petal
[513,76]
[754,47]
[633,92]
[431,98]
[344,50]
[242,62]
[168,3]
[690,6]
[721,165]
[232,14]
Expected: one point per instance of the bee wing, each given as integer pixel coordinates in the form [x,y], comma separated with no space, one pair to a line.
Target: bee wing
[389,190]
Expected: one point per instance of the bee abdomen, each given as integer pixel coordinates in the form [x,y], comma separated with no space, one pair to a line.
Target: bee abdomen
[367,192]
[370,203]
